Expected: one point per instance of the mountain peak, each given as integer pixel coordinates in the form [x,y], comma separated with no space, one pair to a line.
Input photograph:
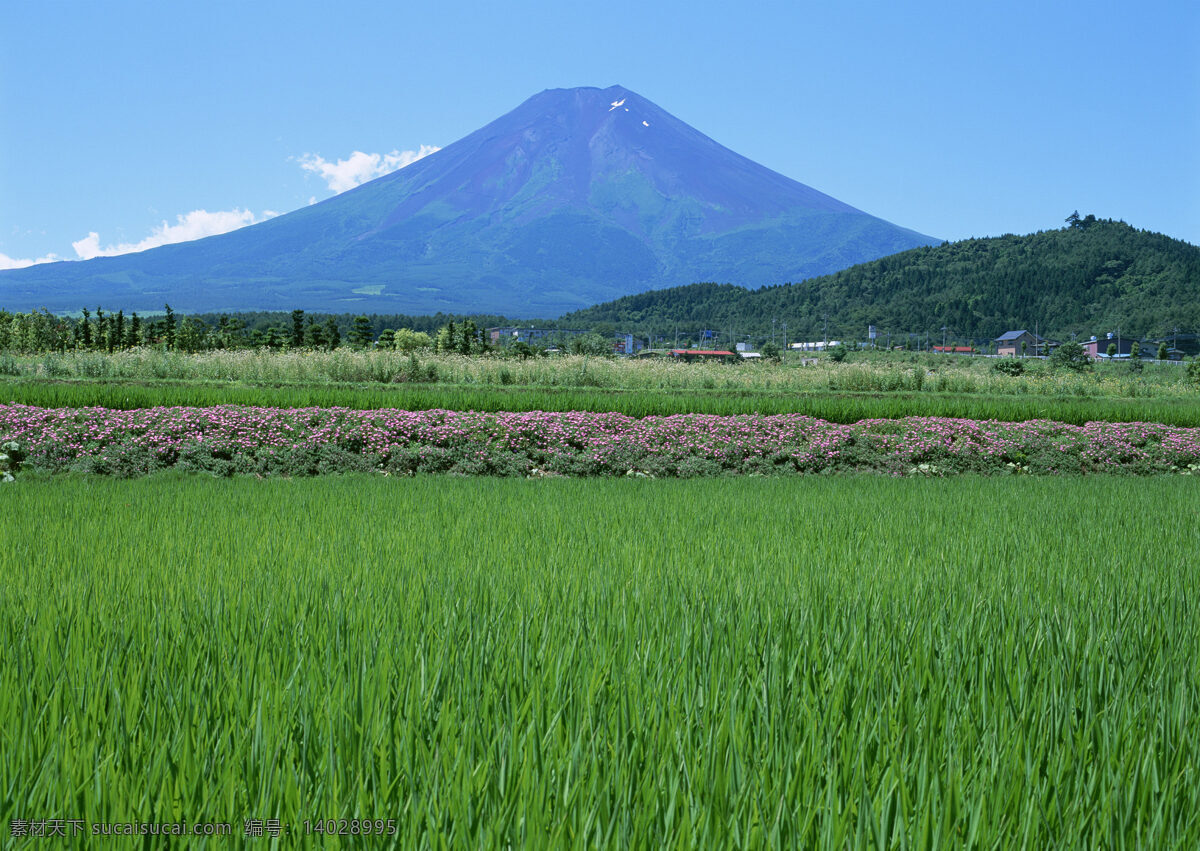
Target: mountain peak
[576,196]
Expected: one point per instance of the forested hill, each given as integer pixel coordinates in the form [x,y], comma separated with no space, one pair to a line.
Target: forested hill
[1088,277]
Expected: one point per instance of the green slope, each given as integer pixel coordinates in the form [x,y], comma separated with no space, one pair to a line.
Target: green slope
[1083,279]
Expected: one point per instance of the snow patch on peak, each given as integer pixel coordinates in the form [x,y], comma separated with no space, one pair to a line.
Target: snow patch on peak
[645,123]
[617,103]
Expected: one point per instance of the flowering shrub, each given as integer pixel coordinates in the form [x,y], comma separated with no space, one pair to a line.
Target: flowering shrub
[308,441]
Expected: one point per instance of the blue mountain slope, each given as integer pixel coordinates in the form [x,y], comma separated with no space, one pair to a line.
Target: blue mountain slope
[577,196]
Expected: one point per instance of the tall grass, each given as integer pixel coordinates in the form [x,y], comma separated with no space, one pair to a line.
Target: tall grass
[874,374]
[858,662]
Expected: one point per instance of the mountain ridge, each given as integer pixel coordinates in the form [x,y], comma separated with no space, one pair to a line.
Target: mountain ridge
[1086,278]
[574,197]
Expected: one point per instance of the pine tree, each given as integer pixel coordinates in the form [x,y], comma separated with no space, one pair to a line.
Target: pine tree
[169,326]
[361,333]
[468,344]
[314,334]
[101,328]
[297,329]
[85,329]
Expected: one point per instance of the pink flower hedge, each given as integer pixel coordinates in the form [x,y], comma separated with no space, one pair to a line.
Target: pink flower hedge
[231,439]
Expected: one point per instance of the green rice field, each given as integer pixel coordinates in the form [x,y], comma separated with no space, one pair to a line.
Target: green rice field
[834,406]
[816,663]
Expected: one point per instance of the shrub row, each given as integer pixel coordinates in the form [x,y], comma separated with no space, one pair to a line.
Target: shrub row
[230,440]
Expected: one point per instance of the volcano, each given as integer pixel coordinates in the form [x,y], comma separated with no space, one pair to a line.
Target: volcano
[577,196]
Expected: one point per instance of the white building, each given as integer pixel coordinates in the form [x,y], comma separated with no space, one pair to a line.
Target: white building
[818,346]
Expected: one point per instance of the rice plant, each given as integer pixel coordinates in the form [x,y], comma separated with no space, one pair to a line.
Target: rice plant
[840,407]
[760,663]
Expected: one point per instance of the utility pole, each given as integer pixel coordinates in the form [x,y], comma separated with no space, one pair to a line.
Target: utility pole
[825,332]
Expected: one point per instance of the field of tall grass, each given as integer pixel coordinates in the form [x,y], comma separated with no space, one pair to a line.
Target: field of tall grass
[925,385]
[892,372]
[894,663]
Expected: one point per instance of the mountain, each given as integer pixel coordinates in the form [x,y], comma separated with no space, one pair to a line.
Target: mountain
[1088,278]
[576,196]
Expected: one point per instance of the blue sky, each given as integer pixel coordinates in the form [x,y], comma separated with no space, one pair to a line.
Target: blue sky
[128,124]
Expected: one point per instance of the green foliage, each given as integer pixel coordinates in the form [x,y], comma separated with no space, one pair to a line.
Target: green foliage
[1071,356]
[12,458]
[1101,275]
[1193,371]
[1009,366]
[464,338]
[297,340]
[314,334]
[771,351]
[408,340]
[168,325]
[361,334]
[838,353]
[708,673]
[589,344]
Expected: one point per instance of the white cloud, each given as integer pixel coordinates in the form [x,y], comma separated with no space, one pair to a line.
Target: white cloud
[7,262]
[360,167]
[194,225]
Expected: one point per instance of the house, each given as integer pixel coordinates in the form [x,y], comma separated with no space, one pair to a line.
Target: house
[1009,343]
[627,344]
[1177,346]
[955,350]
[1122,346]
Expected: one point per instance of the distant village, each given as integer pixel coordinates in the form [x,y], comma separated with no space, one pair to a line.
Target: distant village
[704,345]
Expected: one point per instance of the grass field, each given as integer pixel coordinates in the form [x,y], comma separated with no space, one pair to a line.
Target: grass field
[871,386]
[861,373]
[765,663]
[839,407]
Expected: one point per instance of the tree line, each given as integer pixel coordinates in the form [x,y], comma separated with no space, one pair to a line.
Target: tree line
[99,330]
